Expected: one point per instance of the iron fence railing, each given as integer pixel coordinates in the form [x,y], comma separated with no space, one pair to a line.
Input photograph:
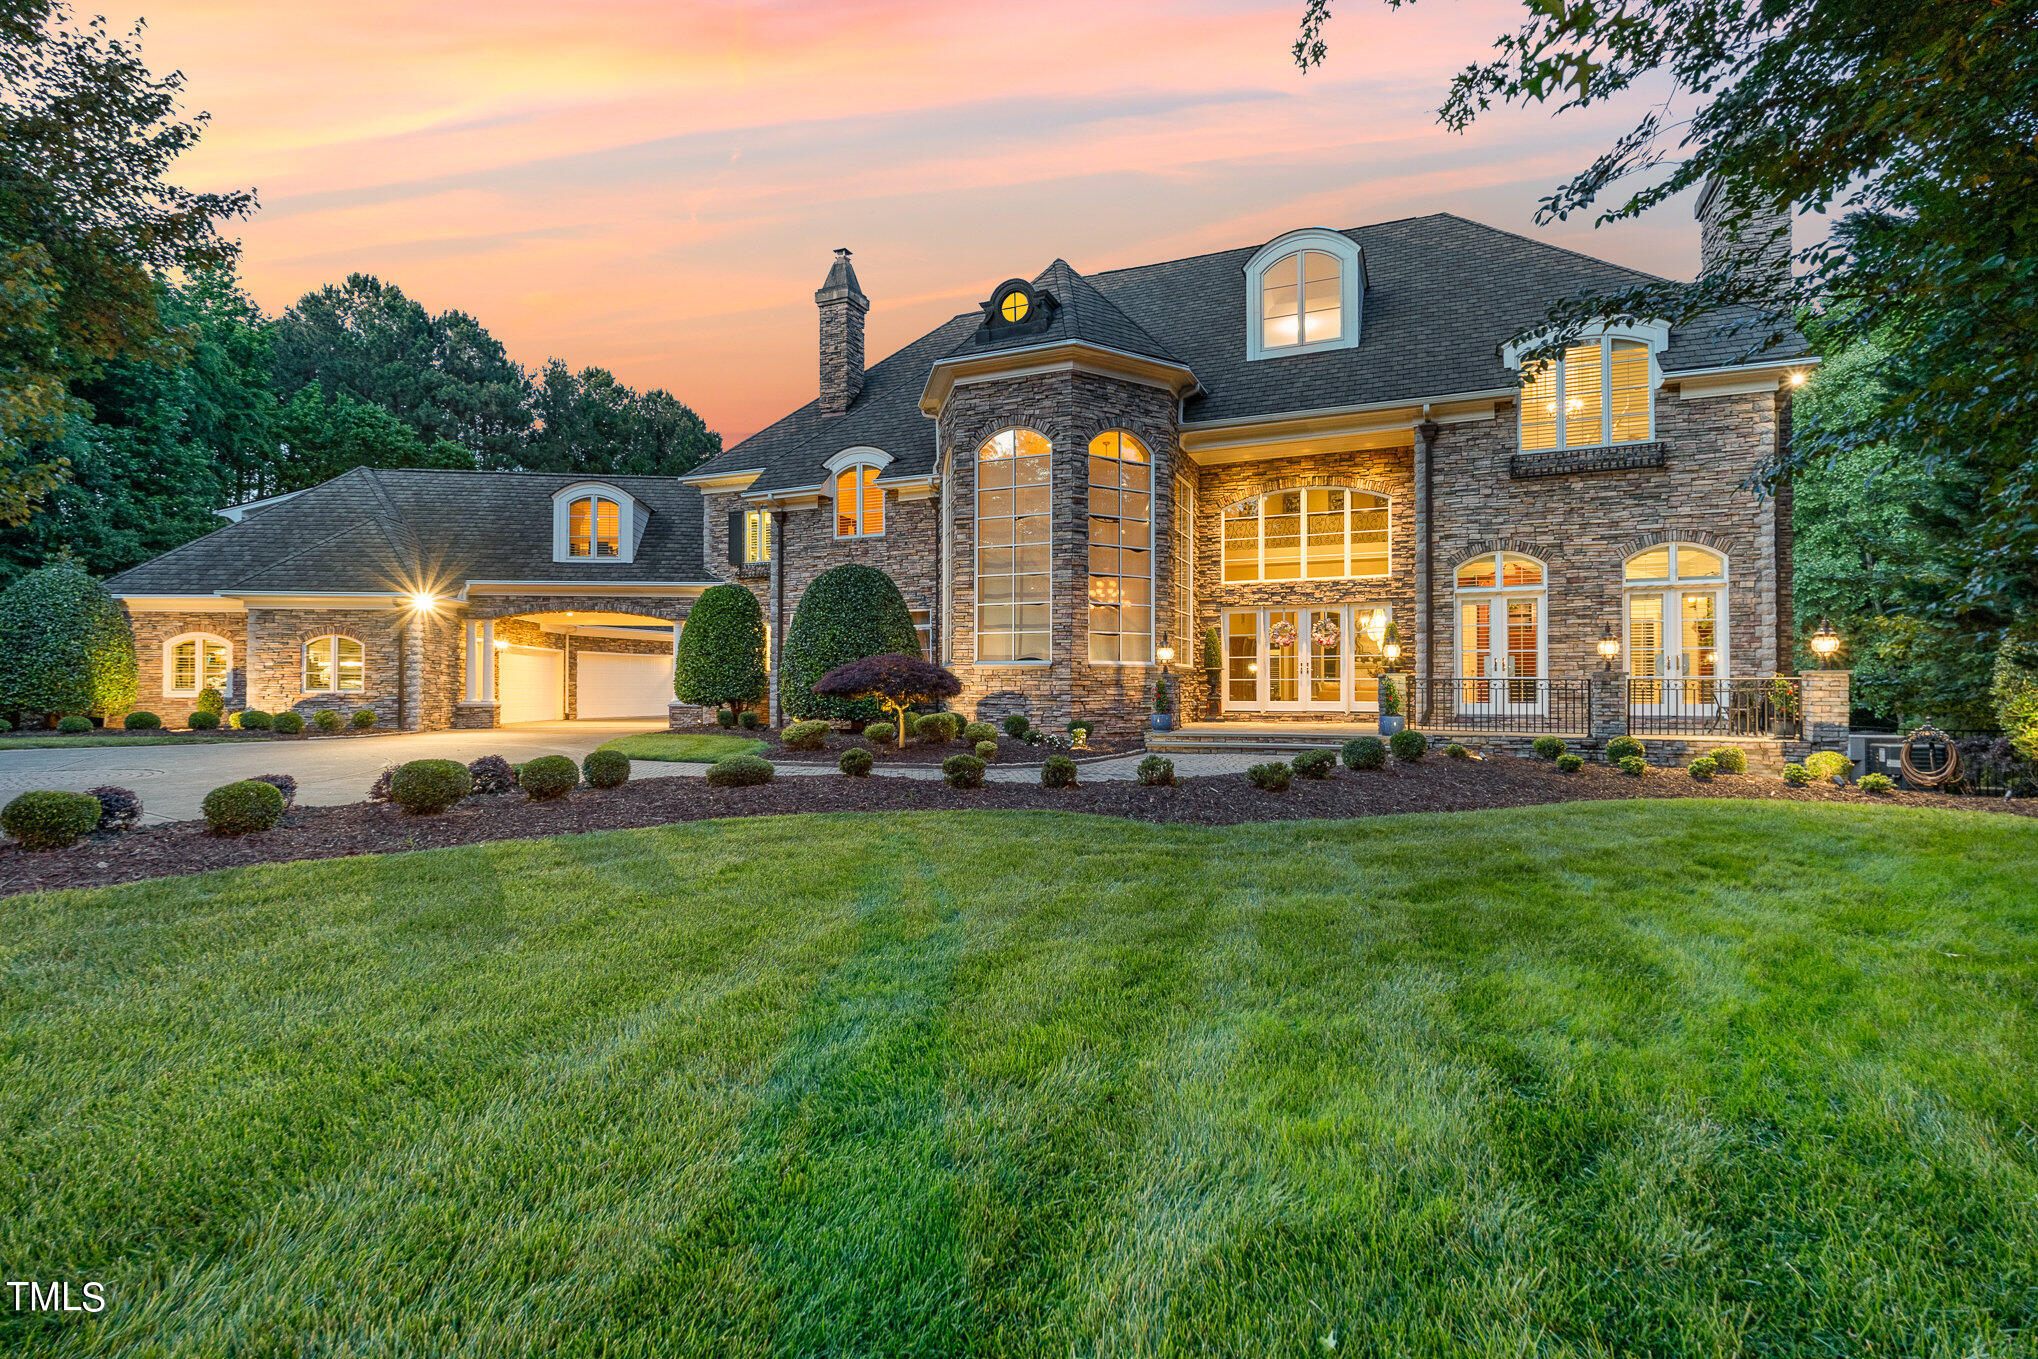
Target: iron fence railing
[1768,706]
[1501,705]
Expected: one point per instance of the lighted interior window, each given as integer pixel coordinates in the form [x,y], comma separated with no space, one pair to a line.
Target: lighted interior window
[1675,561]
[756,535]
[1301,300]
[859,503]
[1014,306]
[1012,547]
[1503,570]
[1313,533]
[1597,393]
[1121,549]
[594,528]
[333,665]
[198,663]
[1184,536]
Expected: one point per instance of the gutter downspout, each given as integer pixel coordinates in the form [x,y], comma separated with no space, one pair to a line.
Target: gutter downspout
[1425,550]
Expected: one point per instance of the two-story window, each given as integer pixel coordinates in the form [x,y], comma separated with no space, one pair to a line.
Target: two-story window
[1121,549]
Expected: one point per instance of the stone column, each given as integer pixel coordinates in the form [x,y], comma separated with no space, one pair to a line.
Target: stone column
[414,673]
[1609,705]
[1425,534]
[1827,710]
[775,526]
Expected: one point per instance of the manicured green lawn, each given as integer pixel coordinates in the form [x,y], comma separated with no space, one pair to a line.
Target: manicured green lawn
[111,738]
[1698,1078]
[698,749]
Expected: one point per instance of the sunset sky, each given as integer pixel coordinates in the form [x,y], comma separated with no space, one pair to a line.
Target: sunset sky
[655,187]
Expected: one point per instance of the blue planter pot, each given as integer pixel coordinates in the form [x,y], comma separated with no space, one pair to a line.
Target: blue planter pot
[1390,725]
[1163,721]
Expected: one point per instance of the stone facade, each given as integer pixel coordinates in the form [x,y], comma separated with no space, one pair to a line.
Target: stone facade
[276,639]
[153,631]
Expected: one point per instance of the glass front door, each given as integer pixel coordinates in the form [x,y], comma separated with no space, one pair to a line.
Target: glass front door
[1303,660]
[1500,654]
[1674,651]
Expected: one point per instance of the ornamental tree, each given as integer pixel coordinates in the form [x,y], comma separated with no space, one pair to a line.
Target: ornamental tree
[69,649]
[896,682]
[721,650]
[848,613]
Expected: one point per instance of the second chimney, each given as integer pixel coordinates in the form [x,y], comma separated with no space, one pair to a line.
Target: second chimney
[842,306]
[1733,235]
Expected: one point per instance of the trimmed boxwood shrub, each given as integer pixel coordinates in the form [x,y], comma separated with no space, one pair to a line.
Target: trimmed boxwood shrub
[1058,772]
[805,736]
[986,751]
[492,774]
[1620,747]
[1704,767]
[1016,725]
[202,720]
[721,650]
[211,700]
[963,771]
[936,729]
[1570,764]
[119,808]
[425,786]
[1828,764]
[1086,725]
[325,719]
[848,613]
[1549,747]
[1796,775]
[725,717]
[253,719]
[856,763]
[740,771]
[1634,765]
[548,777]
[976,733]
[141,721]
[1271,777]
[1877,783]
[1730,759]
[1457,752]
[282,783]
[243,808]
[1408,746]
[46,819]
[1157,771]
[880,733]
[606,768]
[749,721]
[1365,752]
[69,647]
[287,724]
[74,725]
[1314,764]
[363,717]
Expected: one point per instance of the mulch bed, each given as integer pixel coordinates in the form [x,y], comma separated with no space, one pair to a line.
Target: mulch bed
[1435,785]
[1010,752]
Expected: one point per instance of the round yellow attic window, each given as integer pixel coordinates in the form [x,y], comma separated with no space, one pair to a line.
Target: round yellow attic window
[1014,306]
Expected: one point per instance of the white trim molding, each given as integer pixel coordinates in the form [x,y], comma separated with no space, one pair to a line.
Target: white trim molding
[170,644]
[627,525]
[1351,291]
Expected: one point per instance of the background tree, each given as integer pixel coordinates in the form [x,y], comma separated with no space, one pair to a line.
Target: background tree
[318,437]
[721,650]
[69,649]
[88,222]
[848,613]
[897,682]
[587,422]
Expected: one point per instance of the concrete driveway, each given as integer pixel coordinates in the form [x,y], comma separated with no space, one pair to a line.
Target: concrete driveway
[173,780]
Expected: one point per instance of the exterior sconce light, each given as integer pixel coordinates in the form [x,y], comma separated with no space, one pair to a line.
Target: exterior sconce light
[1797,379]
[501,645]
[1391,647]
[1825,642]
[1164,653]
[422,602]
[1609,645]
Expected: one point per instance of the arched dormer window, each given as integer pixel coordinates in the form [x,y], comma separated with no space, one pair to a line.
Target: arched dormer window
[859,500]
[593,522]
[334,665]
[196,660]
[1601,391]
[1304,291]
[1309,533]
[1013,544]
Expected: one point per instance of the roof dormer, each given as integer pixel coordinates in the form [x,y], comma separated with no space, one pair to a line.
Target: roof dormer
[1015,307]
[597,523]
[1304,292]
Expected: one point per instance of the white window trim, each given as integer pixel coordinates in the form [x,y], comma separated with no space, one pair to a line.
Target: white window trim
[1678,581]
[1498,592]
[562,524]
[1655,335]
[201,637]
[976,632]
[1182,534]
[333,663]
[1303,561]
[760,522]
[1351,278]
[859,457]
[1153,557]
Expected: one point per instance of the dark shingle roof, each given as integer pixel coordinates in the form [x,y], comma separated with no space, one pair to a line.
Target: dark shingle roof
[372,531]
[1084,314]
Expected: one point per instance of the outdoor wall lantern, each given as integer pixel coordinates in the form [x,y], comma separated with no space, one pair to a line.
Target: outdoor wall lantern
[1391,648]
[422,602]
[1164,653]
[1609,645]
[1825,641]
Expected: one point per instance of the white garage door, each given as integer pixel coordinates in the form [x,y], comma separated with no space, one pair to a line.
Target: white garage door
[532,682]
[613,684]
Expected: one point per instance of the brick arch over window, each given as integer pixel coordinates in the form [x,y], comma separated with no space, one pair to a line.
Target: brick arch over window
[1550,556]
[1050,424]
[1698,537]
[1299,483]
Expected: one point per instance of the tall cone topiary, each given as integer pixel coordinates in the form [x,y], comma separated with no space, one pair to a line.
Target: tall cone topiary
[69,648]
[721,650]
[848,613]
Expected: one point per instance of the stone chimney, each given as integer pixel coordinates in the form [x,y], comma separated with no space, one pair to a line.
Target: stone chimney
[1732,234]
[842,306]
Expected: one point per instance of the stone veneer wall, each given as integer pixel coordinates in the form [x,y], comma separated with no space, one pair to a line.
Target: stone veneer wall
[1070,409]
[151,630]
[276,659]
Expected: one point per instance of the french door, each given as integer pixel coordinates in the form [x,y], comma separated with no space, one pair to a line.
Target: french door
[1500,655]
[1302,660]
[1674,651]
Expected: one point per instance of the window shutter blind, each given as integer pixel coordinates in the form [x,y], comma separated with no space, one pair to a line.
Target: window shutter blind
[735,537]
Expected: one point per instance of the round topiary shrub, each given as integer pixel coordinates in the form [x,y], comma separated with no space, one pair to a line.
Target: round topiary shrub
[805,736]
[606,768]
[140,721]
[1157,771]
[1570,764]
[1314,764]
[202,720]
[749,721]
[325,719]
[363,717]
[119,808]
[548,777]
[725,717]
[243,808]
[1058,772]
[69,647]
[1634,765]
[930,729]
[976,733]
[1620,747]
[282,783]
[1271,777]
[740,771]
[720,662]
[1457,752]
[492,774]
[848,613]
[963,771]
[1549,747]
[1408,746]
[986,751]
[253,719]
[425,786]
[1702,768]
[1016,725]
[880,733]
[287,724]
[50,820]
[1730,759]
[1365,752]
[1828,764]
[855,763]
[74,725]
[1796,775]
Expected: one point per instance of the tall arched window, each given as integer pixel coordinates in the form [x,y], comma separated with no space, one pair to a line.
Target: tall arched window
[1313,533]
[859,502]
[1676,623]
[334,665]
[594,527]
[1502,604]
[195,661]
[1121,549]
[1013,545]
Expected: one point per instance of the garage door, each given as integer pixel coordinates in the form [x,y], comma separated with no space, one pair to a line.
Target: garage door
[532,682]
[613,684]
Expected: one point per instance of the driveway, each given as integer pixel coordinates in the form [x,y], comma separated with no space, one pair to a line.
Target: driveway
[173,780]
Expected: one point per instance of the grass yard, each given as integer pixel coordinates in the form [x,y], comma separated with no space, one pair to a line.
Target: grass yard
[113,738]
[1677,1078]
[689,747]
